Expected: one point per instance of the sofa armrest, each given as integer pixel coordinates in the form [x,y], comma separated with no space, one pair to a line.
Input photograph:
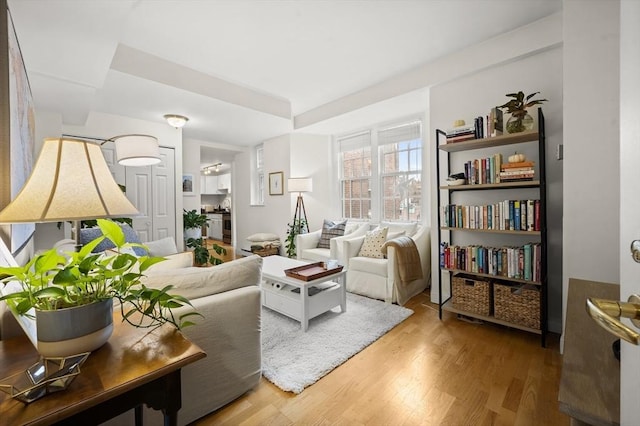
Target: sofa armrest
[352,247]
[336,244]
[307,241]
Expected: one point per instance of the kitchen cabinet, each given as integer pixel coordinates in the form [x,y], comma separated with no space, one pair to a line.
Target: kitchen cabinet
[209,185]
[215,226]
[224,182]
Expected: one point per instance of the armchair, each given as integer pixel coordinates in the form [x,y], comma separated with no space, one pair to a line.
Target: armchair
[307,244]
[379,278]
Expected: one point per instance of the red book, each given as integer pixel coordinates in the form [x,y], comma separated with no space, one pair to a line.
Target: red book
[536,215]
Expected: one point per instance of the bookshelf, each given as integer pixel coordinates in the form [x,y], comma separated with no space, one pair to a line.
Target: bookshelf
[518,262]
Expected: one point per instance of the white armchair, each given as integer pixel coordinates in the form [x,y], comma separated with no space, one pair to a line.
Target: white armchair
[379,278]
[307,244]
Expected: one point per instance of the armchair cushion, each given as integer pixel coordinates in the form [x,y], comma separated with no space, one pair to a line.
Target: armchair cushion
[409,229]
[162,247]
[373,242]
[331,230]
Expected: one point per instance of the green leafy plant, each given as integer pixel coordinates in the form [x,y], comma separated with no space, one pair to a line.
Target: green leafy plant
[517,107]
[293,229]
[201,255]
[193,219]
[53,281]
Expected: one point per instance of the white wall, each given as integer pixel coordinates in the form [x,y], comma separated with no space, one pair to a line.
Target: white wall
[191,164]
[296,155]
[591,135]
[273,216]
[311,157]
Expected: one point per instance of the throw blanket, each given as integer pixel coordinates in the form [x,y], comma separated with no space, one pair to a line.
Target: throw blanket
[407,258]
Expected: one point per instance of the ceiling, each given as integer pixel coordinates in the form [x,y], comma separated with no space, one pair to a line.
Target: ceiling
[242,71]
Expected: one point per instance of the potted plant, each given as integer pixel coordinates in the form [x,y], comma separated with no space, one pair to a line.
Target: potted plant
[520,120]
[193,223]
[79,287]
[292,231]
[201,255]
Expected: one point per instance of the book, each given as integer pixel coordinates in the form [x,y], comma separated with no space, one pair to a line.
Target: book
[518,164]
[497,120]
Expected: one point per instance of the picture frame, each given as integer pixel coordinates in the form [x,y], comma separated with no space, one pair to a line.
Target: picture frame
[276,183]
[188,184]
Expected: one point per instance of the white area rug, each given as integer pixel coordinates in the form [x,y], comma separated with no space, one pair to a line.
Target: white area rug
[293,359]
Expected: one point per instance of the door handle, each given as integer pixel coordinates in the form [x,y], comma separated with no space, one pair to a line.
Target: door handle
[606,314]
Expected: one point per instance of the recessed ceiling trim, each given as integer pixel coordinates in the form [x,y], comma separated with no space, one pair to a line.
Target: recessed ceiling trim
[135,62]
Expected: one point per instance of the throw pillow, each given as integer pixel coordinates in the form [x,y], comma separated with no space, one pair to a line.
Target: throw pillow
[90,234]
[162,247]
[331,230]
[373,242]
[409,228]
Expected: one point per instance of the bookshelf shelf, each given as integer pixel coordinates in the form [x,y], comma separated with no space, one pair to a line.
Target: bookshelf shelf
[461,246]
[480,187]
[491,231]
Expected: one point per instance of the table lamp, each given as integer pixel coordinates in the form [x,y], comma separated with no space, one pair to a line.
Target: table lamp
[70,181]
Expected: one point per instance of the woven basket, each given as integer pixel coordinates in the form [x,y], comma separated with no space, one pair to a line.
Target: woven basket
[267,250]
[471,295]
[518,304]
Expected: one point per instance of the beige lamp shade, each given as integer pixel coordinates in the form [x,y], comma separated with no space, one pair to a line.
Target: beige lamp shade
[70,181]
[299,184]
[137,150]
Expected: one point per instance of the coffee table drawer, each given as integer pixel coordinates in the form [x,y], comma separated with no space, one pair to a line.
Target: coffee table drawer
[283,301]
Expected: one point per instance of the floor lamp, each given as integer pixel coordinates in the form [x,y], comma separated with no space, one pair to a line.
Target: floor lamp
[300,185]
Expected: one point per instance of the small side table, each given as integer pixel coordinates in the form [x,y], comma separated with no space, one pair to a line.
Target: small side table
[135,366]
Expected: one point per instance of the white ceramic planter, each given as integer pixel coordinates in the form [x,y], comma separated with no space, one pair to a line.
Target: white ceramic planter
[192,233]
[70,331]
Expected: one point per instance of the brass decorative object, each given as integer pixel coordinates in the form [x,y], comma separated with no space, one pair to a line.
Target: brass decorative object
[606,313]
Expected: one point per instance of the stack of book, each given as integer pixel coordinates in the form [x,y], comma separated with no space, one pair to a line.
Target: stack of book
[512,172]
[461,134]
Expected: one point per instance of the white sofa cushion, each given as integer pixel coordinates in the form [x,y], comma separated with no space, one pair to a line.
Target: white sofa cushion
[162,247]
[410,229]
[194,282]
[370,265]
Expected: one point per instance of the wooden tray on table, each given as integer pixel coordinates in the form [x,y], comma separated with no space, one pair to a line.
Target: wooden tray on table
[311,272]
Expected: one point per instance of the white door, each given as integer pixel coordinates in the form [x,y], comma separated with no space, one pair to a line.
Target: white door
[629,196]
[151,190]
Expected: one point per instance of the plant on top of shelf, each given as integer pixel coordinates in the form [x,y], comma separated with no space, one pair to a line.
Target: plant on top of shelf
[520,119]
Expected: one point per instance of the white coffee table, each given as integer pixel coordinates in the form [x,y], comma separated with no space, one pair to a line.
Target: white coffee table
[277,291]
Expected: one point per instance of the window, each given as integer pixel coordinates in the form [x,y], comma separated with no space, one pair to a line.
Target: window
[381,173]
[259,173]
[355,182]
[400,152]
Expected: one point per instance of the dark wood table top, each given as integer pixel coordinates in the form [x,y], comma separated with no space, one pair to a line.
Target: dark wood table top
[131,358]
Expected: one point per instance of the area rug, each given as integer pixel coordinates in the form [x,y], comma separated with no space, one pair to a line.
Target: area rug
[294,360]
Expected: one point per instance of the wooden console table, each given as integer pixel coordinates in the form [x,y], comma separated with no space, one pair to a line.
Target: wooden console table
[135,367]
[590,384]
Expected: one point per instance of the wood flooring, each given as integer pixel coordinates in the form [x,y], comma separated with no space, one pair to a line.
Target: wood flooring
[423,372]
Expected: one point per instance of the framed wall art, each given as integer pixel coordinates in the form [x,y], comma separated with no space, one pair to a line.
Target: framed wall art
[17,128]
[276,182]
[187,184]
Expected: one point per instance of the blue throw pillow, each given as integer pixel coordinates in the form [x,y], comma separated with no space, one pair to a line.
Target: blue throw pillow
[90,234]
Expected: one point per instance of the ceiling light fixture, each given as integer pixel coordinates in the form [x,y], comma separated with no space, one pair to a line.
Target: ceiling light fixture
[137,150]
[207,170]
[176,120]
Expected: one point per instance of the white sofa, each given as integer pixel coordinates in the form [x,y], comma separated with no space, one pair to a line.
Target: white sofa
[307,244]
[379,278]
[228,297]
